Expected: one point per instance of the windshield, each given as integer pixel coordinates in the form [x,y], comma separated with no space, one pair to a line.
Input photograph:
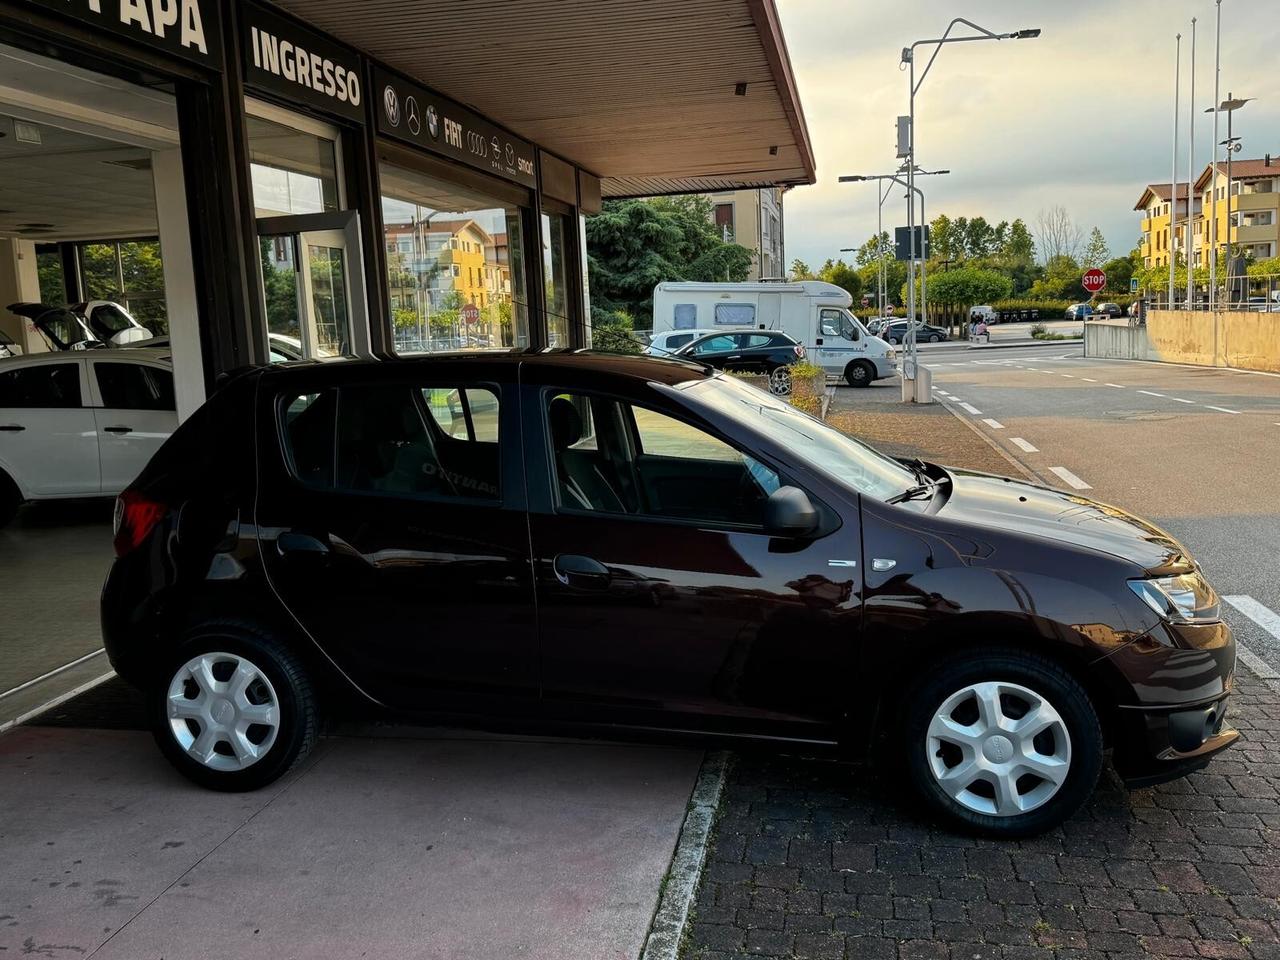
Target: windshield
[822,447]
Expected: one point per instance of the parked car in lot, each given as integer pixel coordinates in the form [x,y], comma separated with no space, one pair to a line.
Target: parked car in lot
[896,332]
[701,557]
[983,312]
[80,424]
[1109,310]
[1079,311]
[667,342]
[7,347]
[770,354]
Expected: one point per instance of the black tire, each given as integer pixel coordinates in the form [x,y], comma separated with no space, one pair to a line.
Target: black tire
[859,373]
[1036,673]
[933,338]
[10,499]
[299,715]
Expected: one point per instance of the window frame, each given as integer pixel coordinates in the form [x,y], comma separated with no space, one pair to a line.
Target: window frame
[283,396]
[632,439]
[82,380]
[95,363]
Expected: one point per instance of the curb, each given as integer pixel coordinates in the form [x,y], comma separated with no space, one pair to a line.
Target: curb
[1024,344]
[1022,469]
[681,882]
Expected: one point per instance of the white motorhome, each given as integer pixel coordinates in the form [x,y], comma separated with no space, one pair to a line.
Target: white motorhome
[813,312]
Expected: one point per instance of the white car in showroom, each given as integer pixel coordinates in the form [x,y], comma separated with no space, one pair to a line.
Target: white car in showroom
[80,424]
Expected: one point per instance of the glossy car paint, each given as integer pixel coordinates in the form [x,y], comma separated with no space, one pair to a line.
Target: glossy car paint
[458,610]
[781,351]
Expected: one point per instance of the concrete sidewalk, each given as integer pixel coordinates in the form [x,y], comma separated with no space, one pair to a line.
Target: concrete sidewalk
[430,847]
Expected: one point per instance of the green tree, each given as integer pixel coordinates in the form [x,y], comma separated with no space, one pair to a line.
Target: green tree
[952,292]
[842,275]
[880,246]
[1096,251]
[1120,270]
[801,271]
[1061,280]
[632,245]
[944,244]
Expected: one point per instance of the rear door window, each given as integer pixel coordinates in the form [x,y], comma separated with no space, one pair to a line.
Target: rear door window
[134,386]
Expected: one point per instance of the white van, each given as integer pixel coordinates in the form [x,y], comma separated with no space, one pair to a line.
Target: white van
[813,312]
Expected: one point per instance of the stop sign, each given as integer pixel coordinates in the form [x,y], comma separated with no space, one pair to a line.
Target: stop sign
[470,313]
[1093,280]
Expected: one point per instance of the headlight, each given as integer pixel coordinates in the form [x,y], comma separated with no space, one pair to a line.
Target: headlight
[892,354]
[1184,598]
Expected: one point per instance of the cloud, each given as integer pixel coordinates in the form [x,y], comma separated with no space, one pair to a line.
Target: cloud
[1081,116]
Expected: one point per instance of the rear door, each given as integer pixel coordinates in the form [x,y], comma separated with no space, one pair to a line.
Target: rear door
[134,413]
[392,525]
[48,440]
[661,600]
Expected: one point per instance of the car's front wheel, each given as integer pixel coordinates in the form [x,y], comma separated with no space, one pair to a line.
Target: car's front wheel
[859,373]
[233,710]
[1004,743]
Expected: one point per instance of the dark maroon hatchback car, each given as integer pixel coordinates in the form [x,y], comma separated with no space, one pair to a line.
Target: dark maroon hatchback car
[542,538]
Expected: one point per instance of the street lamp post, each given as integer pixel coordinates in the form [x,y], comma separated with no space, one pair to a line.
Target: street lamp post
[1173,177]
[1213,157]
[1228,106]
[885,179]
[909,58]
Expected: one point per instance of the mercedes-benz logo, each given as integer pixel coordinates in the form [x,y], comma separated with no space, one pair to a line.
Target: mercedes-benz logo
[412,118]
[433,121]
[391,104]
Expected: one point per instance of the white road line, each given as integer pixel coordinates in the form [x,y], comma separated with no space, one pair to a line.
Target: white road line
[1069,376]
[1089,379]
[1023,445]
[994,424]
[1118,386]
[1152,393]
[56,701]
[53,673]
[1070,478]
[1263,616]
[1180,400]
[1220,409]
[970,408]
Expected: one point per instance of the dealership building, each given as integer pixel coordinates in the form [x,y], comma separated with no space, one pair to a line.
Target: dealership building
[322,178]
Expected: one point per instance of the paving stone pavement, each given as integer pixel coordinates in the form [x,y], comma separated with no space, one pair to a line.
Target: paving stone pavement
[817,859]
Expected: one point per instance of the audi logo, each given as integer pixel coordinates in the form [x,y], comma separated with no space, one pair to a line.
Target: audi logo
[477,144]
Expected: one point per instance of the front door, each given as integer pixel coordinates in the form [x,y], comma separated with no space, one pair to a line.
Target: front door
[134,413]
[391,519]
[48,443]
[838,341]
[661,598]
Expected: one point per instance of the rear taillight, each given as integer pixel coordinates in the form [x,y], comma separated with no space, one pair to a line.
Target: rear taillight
[799,349]
[136,516]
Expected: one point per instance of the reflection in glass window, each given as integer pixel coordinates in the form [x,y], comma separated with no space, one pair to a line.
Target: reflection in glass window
[455,265]
[293,171]
[130,273]
[555,252]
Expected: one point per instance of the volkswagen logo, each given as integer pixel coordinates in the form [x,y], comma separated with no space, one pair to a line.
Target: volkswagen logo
[411,116]
[433,121]
[391,105]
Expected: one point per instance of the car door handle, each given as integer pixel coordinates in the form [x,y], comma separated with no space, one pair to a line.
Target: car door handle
[300,544]
[118,429]
[573,570]
[12,427]
[736,356]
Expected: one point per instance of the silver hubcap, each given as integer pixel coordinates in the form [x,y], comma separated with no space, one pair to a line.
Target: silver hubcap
[780,381]
[998,749]
[223,711]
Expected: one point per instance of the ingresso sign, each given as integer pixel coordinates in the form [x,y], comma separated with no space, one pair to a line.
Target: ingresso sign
[298,64]
[418,116]
[186,28]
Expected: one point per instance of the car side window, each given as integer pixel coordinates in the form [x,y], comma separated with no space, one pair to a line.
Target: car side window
[396,439]
[649,464]
[760,340]
[675,343]
[721,344]
[134,386]
[43,385]
[830,323]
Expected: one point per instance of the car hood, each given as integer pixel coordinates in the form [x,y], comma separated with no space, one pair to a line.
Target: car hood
[1027,508]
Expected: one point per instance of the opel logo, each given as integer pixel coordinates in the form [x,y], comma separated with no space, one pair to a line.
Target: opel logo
[391,104]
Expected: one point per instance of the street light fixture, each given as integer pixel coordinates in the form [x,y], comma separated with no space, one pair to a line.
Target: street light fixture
[1232,144]
[886,179]
[909,59]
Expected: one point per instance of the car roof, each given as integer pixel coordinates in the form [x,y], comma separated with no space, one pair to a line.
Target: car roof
[643,368]
[136,354]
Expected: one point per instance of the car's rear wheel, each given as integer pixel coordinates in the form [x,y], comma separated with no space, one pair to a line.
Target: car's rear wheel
[1001,742]
[933,338]
[780,381]
[10,499]
[859,373]
[233,710]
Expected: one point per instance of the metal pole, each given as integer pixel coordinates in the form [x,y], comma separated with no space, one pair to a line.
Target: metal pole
[1231,148]
[1191,174]
[880,281]
[924,260]
[1213,159]
[1173,177]
[909,371]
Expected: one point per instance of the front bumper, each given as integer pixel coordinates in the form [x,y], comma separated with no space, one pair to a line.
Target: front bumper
[1168,743]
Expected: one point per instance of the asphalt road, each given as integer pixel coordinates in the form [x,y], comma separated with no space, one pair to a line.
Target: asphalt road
[1195,450]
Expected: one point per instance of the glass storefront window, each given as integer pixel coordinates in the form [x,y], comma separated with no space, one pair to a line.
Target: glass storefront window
[293,171]
[455,265]
[555,256]
[130,273]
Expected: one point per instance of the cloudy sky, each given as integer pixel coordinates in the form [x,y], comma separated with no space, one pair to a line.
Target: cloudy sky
[1081,116]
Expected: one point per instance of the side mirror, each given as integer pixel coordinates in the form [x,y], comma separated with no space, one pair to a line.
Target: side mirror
[789,513]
